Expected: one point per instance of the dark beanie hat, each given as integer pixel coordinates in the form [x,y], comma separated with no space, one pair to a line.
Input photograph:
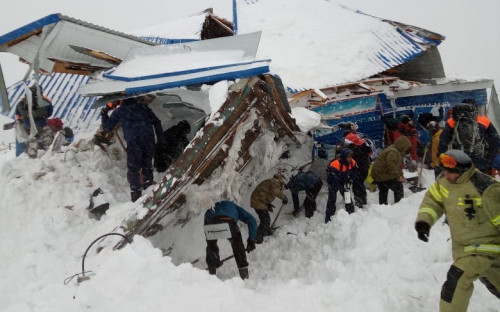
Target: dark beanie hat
[404,119]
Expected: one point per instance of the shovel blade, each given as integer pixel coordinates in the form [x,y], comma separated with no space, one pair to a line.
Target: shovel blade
[416,189]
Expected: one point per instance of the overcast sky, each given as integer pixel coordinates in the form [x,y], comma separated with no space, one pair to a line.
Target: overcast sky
[471,27]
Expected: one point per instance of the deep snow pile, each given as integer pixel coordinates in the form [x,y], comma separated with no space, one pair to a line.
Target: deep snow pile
[368,261]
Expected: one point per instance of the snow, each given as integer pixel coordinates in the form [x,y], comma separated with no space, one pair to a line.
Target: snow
[368,261]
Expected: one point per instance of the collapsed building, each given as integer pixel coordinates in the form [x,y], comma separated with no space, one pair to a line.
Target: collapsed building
[399,71]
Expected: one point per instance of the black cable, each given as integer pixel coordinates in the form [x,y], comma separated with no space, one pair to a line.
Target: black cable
[96,240]
[68,279]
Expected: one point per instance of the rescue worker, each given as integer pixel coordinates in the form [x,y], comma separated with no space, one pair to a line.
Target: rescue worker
[226,213]
[171,145]
[495,165]
[469,199]
[311,184]
[473,133]
[407,128]
[361,154]
[435,132]
[261,200]
[342,172]
[41,110]
[387,173]
[139,125]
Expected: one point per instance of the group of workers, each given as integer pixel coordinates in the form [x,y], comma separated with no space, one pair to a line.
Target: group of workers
[469,198]
[462,155]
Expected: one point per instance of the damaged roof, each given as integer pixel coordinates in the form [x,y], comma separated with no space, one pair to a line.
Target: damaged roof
[308,53]
[68,45]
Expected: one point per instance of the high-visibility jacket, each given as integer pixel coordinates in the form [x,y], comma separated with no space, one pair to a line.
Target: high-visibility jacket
[340,174]
[474,218]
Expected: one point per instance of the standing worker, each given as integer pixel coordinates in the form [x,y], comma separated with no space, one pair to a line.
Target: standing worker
[472,133]
[137,121]
[261,200]
[361,154]
[435,132]
[221,223]
[37,108]
[342,172]
[387,172]
[470,200]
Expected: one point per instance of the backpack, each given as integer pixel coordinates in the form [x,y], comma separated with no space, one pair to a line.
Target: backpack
[466,135]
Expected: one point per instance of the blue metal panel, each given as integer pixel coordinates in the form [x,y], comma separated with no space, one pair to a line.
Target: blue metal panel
[199,80]
[163,41]
[183,72]
[38,24]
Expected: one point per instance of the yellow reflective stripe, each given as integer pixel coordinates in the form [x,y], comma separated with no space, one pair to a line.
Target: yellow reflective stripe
[435,193]
[483,248]
[429,211]
[444,191]
[496,220]
[478,201]
[461,201]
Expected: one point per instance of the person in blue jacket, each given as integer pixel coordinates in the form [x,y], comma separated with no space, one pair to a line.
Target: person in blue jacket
[227,212]
[139,125]
[309,182]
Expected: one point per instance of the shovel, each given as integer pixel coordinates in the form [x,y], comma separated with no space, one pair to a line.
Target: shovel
[418,186]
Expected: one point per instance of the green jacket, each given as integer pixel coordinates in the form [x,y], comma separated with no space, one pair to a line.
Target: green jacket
[474,219]
[387,166]
[266,192]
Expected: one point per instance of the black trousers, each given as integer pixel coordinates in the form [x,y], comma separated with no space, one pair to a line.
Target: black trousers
[264,228]
[310,201]
[385,186]
[213,257]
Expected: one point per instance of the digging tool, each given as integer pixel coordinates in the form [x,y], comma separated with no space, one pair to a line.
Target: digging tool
[417,187]
[277,215]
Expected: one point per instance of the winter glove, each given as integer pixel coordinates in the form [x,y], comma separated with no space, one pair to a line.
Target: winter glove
[285,200]
[105,110]
[422,230]
[270,207]
[250,245]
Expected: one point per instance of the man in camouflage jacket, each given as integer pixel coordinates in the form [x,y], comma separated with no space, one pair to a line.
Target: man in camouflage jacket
[261,200]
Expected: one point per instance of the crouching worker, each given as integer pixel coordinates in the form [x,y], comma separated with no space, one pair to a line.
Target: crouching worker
[470,200]
[171,145]
[305,181]
[261,200]
[221,223]
[342,172]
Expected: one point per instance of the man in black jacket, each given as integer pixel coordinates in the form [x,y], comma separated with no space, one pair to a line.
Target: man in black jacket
[171,145]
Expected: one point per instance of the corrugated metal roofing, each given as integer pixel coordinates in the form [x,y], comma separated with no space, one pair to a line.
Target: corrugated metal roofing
[309,53]
[56,17]
[74,109]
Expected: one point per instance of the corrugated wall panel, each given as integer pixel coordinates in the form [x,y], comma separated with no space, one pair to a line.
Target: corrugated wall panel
[75,110]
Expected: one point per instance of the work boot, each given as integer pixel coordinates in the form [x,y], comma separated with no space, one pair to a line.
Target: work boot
[212,270]
[259,238]
[243,272]
[135,195]
[32,148]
